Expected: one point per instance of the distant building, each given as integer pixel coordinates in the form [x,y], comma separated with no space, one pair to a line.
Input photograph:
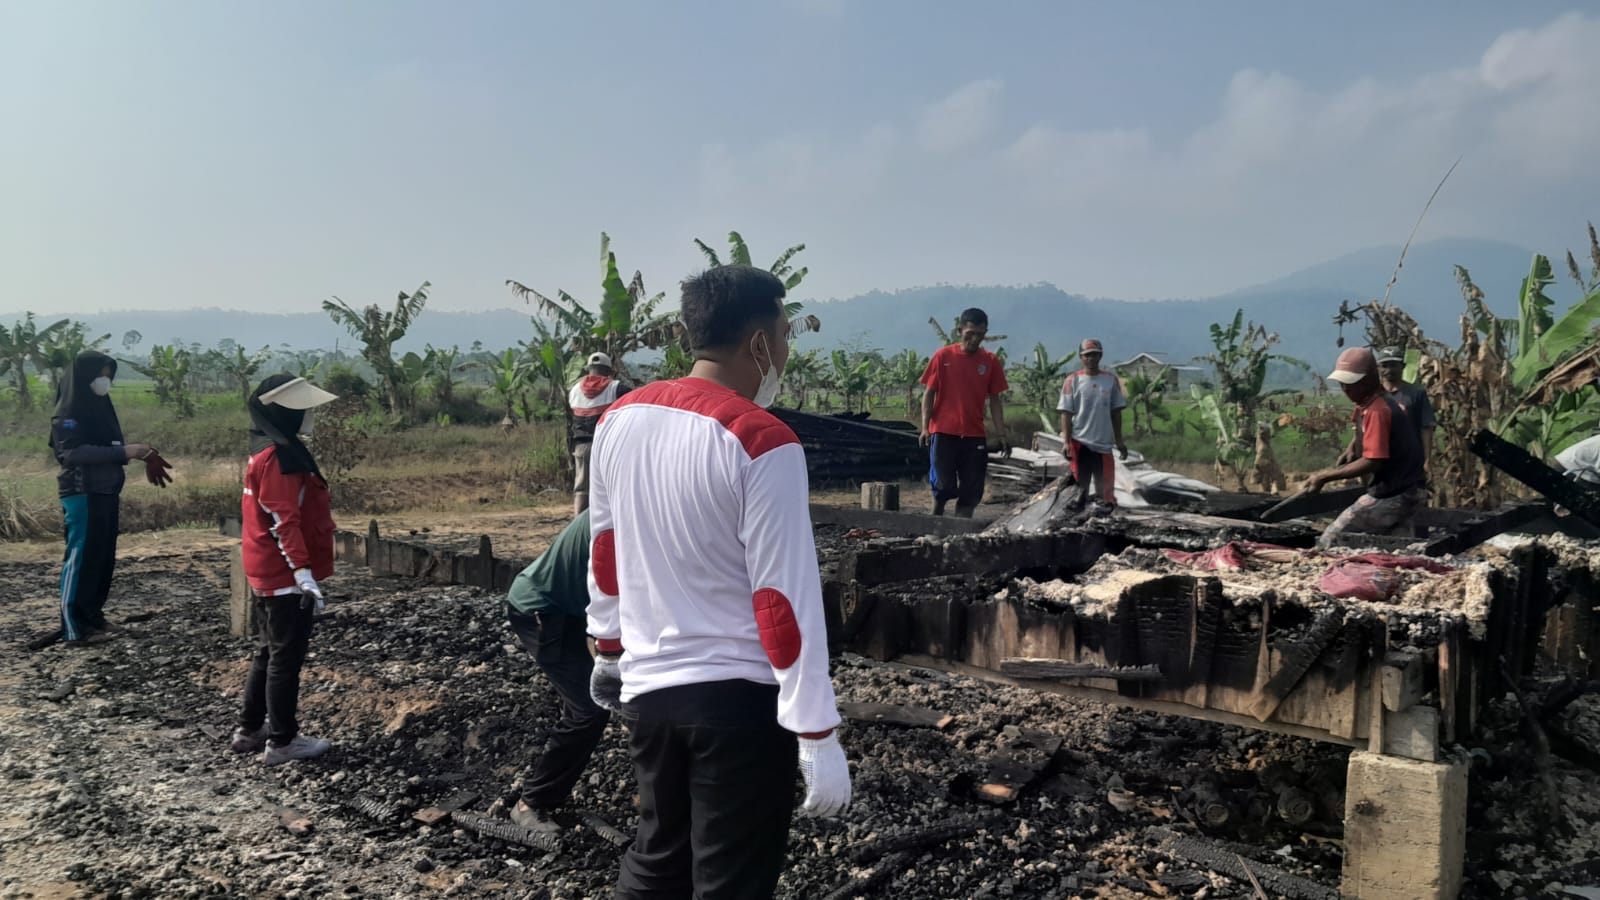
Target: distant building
[1151,366]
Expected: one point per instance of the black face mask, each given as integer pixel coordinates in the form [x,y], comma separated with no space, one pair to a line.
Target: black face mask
[272,425]
[93,420]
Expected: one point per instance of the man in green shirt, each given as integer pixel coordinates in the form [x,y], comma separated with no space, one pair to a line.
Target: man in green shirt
[546,608]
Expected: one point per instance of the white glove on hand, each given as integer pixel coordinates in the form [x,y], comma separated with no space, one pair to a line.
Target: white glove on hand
[605,684]
[308,585]
[827,776]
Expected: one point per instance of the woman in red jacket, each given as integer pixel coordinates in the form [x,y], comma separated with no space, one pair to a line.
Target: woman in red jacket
[287,547]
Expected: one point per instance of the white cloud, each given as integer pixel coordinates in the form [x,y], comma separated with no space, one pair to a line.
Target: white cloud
[962,119]
[1281,175]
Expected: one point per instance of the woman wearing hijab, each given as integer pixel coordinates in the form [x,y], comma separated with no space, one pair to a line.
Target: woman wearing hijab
[287,548]
[87,441]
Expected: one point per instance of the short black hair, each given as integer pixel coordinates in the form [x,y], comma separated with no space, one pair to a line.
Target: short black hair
[722,305]
[973,316]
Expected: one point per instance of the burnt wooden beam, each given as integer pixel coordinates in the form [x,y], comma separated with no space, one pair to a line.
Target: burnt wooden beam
[1301,505]
[980,554]
[1218,858]
[1484,526]
[891,714]
[1582,500]
[1021,760]
[1297,659]
[1032,668]
[898,523]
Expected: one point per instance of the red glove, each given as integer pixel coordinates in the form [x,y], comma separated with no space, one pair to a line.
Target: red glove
[155,470]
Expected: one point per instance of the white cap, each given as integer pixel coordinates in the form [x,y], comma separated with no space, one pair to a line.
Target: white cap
[600,359]
[298,394]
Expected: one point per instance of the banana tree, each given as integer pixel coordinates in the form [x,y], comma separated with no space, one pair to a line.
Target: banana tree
[378,331]
[22,345]
[61,347]
[739,255]
[953,334]
[1146,397]
[241,369]
[1039,378]
[626,319]
[508,379]
[851,377]
[169,368]
[441,368]
[904,371]
[802,375]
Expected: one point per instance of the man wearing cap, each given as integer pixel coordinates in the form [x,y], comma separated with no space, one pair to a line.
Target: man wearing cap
[959,380]
[1091,408]
[1412,398]
[1389,452]
[589,398]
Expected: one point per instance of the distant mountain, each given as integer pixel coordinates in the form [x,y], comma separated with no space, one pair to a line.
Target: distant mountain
[1298,306]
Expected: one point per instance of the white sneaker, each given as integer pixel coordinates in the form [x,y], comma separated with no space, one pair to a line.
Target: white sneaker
[248,741]
[301,747]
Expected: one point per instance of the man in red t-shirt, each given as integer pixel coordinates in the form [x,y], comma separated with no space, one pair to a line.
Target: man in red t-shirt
[959,379]
[1390,452]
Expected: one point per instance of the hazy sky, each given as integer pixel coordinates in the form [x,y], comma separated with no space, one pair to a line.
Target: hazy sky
[264,155]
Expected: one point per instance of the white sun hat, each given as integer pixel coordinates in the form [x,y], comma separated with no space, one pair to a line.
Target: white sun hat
[298,394]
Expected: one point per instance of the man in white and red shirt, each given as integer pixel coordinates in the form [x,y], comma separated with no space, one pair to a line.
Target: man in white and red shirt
[589,399]
[705,604]
[961,381]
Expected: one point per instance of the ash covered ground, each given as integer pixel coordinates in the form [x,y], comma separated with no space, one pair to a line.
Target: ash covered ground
[115,778]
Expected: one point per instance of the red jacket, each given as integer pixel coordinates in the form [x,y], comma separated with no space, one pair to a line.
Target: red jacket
[287,524]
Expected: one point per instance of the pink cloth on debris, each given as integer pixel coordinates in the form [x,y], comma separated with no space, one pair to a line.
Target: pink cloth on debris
[1362,576]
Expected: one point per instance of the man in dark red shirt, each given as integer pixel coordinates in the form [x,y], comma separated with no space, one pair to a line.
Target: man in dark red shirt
[959,379]
[1390,453]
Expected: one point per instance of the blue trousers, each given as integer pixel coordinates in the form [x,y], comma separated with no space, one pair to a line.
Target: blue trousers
[958,467]
[91,555]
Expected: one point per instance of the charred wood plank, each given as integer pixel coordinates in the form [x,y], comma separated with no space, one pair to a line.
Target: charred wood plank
[502,830]
[606,831]
[1218,858]
[1480,528]
[1020,761]
[890,714]
[1033,668]
[921,838]
[1300,505]
[1581,499]
[858,885]
[901,523]
[1297,659]
[433,815]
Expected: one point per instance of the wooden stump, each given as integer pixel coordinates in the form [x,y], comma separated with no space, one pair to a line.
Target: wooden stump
[238,595]
[882,495]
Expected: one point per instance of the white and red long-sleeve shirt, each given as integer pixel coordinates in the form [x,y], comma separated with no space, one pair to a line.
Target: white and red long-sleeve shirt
[704,566]
[287,524]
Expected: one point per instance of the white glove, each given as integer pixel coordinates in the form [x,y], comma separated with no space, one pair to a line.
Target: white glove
[605,683]
[308,586]
[827,776]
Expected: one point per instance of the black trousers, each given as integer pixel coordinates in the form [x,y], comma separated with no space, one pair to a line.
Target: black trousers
[959,467]
[559,647]
[90,522]
[272,688]
[716,789]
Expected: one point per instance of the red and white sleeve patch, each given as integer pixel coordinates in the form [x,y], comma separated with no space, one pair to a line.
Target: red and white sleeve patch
[603,559]
[780,632]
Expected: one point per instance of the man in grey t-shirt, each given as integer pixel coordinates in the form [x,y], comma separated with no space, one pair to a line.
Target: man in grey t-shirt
[1413,400]
[1091,408]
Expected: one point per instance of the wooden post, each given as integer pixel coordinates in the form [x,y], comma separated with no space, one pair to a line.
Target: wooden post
[883,495]
[1405,828]
[372,540]
[485,563]
[239,599]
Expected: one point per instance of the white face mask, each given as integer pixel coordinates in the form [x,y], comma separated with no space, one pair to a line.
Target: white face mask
[101,386]
[771,380]
[305,422]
